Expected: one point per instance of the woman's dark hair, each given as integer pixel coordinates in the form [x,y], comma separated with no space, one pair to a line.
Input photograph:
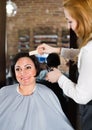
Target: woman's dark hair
[21,55]
[53,60]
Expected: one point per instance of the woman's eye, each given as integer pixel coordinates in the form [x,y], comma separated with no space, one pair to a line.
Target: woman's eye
[70,22]
[28,67]
[17,69]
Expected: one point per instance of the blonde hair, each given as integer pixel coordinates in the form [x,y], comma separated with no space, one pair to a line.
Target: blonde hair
[81,11]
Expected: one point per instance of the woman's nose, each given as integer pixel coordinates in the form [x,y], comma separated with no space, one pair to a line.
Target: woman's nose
[69,25]
[22,71]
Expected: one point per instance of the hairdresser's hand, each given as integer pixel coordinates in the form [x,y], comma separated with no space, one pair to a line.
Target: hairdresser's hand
[54,75]
[44,48]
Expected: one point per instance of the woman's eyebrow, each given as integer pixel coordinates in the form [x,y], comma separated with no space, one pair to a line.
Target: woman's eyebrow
[28,64]
[17,66]
[67,19]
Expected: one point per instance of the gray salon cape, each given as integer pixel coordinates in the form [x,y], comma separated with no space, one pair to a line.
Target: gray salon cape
[38,111]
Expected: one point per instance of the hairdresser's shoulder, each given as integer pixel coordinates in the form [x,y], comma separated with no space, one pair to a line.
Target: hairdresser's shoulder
[88,47]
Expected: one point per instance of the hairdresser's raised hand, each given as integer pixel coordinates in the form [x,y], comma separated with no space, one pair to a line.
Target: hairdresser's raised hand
[54,75]
[44,48]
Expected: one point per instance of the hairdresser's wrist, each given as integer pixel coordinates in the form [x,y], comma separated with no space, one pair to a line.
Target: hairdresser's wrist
[58,50]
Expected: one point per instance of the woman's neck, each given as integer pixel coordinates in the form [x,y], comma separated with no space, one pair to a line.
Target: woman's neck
[26,90]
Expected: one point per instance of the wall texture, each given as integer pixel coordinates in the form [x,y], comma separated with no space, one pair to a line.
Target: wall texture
[31,15]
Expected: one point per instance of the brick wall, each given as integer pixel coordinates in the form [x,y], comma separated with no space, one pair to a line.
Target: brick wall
[32,14]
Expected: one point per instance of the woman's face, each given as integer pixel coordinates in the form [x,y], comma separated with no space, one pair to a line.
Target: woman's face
[72,23]
[25,71]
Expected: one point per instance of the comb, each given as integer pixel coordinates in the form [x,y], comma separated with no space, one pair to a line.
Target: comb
[33,52]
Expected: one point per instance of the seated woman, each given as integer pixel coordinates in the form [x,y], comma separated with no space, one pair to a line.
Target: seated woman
[28,105]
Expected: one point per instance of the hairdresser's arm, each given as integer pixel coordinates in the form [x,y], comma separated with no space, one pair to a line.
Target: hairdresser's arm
[44,48]
[64,52]
[82,91]
[69,53]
